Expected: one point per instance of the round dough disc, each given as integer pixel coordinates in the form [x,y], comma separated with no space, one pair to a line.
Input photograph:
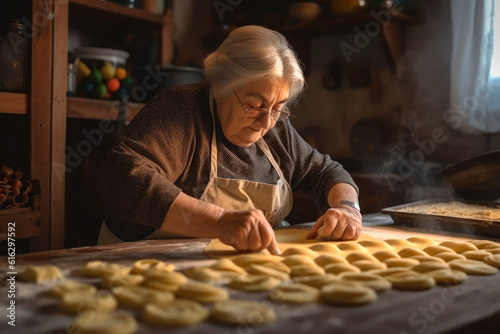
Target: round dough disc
[179,313]
[403,263]
[493,260]
[142,266]
[101,269]
[258,269]
[337,268]
[386,254]
[366,265]
[433,250]
[397,244]
[78,301]
[138,296]
[374,245]
[348,293]
[410,252]
[427,258]
[298,259]
[280,266]
[301,251]
[254,283]
[372,281]
[447,276]
[484,244]
[242,312]
[392,271]
[113,281]
[326,259]
[408,281]
[316,281]
[425,267]
[360,256]
[421,242]
[167,278]
[117,322]
[247,259]
[306,270]
[458,247]
[207,274]
[39,274]
[294,294]
[478,255]
[326,248]
[447,256]
[351,246]
[202,292]
[62,288]
[473,267]
[227,265]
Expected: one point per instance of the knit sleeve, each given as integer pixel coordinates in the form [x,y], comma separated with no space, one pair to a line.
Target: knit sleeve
[308,170]
[136,179]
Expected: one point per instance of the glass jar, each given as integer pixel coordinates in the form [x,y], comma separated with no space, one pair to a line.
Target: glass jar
[14,60]
[71,79]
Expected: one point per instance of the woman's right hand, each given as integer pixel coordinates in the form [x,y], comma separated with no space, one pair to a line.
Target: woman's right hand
[247,230]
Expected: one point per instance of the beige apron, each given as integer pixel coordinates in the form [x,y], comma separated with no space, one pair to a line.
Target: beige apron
[275,201]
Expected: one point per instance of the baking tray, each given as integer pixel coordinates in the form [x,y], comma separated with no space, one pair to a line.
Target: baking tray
[445,223]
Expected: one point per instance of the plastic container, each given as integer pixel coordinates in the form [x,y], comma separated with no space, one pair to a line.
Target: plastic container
[101,73]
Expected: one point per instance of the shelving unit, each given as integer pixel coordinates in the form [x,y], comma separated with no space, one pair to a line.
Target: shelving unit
[121,21]
[49,109]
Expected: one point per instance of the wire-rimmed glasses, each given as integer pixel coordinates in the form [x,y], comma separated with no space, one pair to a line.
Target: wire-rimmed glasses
[254,113]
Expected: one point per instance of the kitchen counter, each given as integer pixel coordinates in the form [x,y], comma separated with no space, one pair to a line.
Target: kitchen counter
[473,305]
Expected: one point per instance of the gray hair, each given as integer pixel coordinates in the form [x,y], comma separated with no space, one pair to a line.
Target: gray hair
[249,53]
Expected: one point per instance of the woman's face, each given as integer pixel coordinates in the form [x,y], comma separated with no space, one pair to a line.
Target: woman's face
[267,92]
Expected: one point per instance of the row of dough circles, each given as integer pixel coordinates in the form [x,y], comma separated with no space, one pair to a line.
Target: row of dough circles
[348,273]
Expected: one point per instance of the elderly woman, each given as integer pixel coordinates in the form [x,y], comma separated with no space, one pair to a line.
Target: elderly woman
[220,159]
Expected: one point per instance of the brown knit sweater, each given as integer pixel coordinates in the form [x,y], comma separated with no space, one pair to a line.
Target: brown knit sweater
[165,150]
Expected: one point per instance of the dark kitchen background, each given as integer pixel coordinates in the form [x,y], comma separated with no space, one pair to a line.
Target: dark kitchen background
[378,89]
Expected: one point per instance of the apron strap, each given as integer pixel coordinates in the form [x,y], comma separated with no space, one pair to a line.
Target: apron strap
[213,156]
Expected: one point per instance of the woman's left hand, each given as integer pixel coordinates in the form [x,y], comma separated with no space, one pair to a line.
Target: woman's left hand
[340,223]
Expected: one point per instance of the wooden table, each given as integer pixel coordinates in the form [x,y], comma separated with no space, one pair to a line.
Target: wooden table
[471,306]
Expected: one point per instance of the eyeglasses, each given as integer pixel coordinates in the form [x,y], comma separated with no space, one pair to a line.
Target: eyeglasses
[254,113]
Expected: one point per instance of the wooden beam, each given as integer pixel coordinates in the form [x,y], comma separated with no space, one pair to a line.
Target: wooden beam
[167,38]
[41,101]
[59,89]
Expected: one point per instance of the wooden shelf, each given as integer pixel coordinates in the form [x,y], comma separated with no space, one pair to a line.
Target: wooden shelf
[117,10]
[14,103]
[340,24]
[79,107]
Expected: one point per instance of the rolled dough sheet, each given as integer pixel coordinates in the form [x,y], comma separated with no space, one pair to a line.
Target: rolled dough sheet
[286,238]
